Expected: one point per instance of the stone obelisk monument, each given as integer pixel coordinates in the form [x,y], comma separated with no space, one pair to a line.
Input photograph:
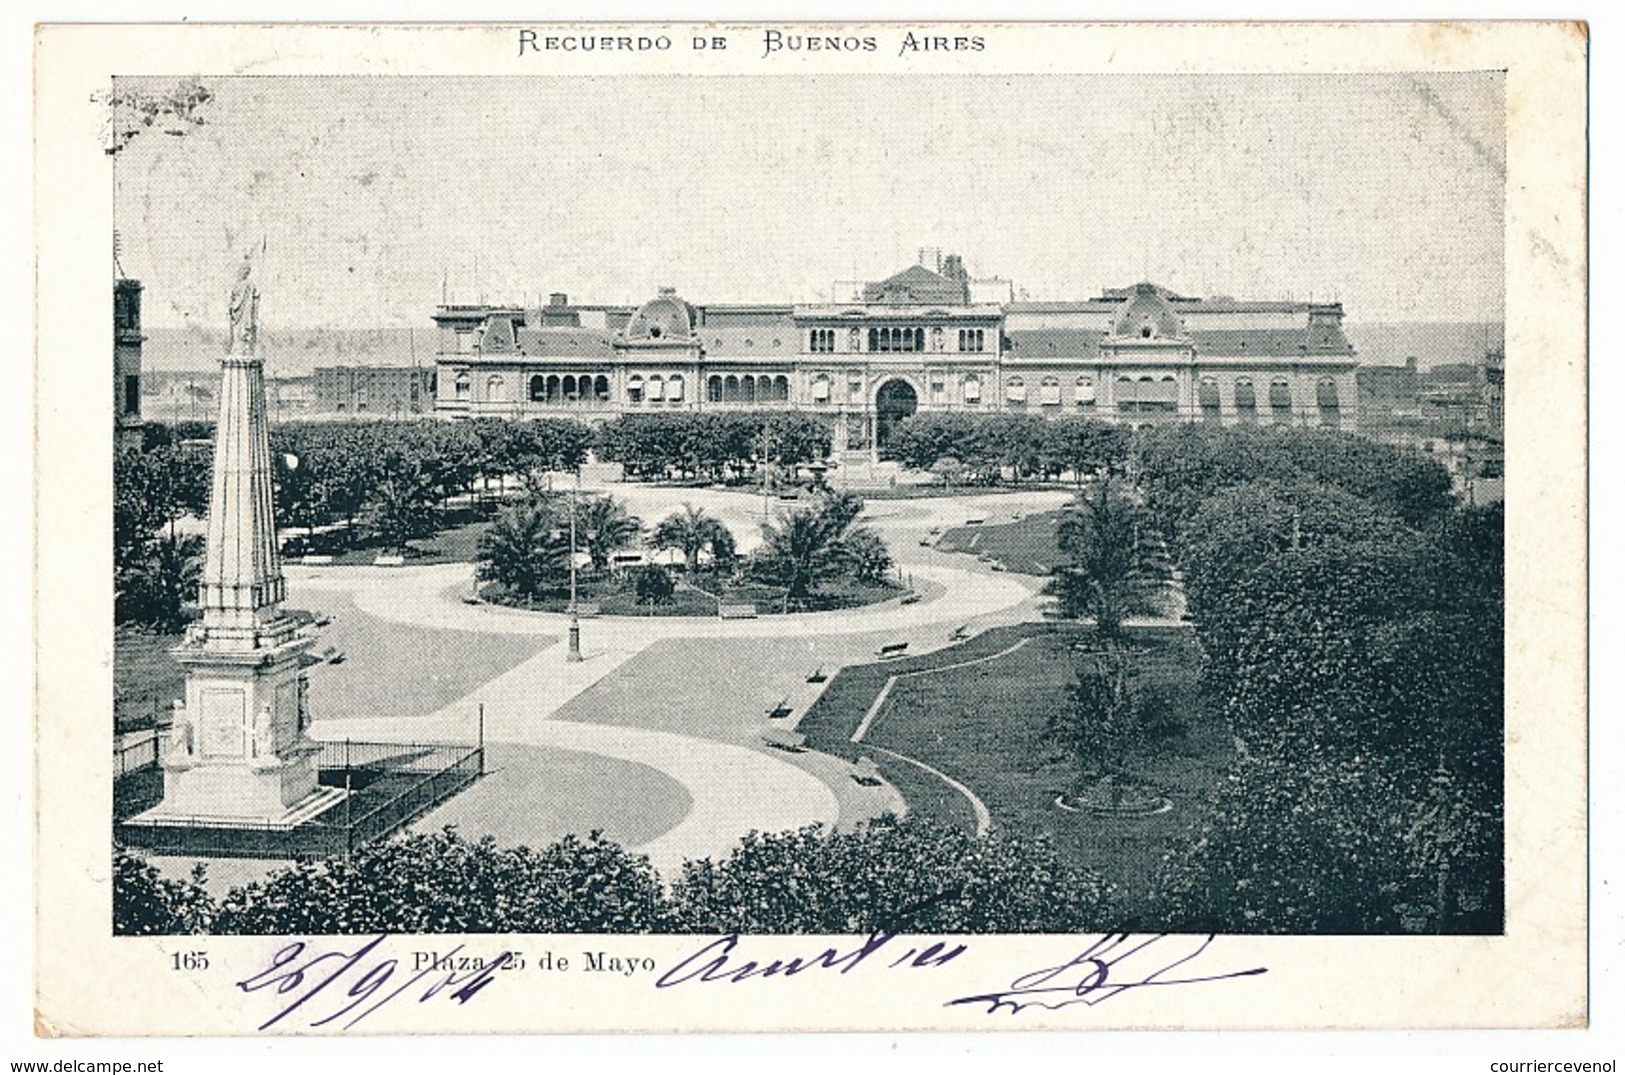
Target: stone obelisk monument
[238,751]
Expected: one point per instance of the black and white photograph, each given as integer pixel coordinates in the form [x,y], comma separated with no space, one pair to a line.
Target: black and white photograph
[696,505]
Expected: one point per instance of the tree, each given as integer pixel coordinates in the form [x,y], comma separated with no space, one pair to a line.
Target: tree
[693,531]
[603,528]
[915,875]
[817,543]
[653,585]
[1084,446]
[1111,572]
[441,883]
[526,549]
[949,471]
[1102,726]
[866,553]
[155,574]
[145,903]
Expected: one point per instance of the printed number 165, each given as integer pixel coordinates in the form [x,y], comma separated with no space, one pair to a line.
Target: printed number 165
[189,961]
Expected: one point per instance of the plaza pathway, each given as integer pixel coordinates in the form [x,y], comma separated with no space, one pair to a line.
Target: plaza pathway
[674,706]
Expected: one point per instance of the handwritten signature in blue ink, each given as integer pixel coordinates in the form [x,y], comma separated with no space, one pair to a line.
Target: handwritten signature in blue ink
[343,981]
[1113,964]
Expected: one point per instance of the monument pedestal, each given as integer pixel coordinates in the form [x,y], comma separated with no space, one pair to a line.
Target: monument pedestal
[238,751]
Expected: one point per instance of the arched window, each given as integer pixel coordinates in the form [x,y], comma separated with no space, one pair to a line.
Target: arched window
[713,389]
[730,389]
[657,388]
[820,389]
[747,389]
[973,389]
[634,389]
[1049,392]
[1083,393]
[1128,395]
[462,384]
[538,389]
[1163,396]
[674,388]
[1207,398]
[781,388]
[600,386]
[1015,390]
[874,337]
[1246,400]
[568,385]
[1280,397]
[494,390]
[555,389]
[1326,399]
[919,340]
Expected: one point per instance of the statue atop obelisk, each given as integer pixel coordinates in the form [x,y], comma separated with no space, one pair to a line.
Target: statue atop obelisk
[238,749]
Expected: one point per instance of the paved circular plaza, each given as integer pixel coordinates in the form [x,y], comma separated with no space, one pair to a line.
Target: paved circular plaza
[655,737]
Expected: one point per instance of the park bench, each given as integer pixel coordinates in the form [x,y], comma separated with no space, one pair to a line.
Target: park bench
[315,559]
[389,561]
[587,610]
[736,612]
[866,772]
[780,711]
[784,739]
[891,649]
[817,675]
[910,598]
[974,522]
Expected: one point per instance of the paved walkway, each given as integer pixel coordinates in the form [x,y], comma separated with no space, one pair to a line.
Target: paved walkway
[663,698]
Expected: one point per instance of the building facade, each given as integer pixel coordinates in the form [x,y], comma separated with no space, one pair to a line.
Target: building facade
[127,340]
[913,342]
[373,391]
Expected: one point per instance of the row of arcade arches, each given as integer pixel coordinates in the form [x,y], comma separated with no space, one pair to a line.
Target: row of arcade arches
[747,388]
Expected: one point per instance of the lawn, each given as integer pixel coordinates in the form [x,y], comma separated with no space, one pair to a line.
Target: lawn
[456,543]
[1026,545]
[145,676]
[983,725]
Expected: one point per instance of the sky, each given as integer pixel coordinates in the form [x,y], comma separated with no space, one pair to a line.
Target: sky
[376,196]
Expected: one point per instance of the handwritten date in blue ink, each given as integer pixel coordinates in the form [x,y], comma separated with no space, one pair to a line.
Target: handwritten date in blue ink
[343,987]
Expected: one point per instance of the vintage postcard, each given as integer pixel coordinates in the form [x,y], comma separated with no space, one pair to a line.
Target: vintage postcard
[777,527]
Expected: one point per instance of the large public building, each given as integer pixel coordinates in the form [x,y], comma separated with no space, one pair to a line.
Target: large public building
[917,341]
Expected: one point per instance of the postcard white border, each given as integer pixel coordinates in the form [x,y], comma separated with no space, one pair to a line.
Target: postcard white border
[92,984]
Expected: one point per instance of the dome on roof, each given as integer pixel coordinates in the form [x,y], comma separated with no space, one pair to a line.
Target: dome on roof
[1147,315]
[665,317]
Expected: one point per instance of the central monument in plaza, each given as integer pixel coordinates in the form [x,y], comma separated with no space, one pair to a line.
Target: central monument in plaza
[238,750]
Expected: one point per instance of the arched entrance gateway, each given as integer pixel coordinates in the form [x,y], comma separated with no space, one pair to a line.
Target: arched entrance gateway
[895,401]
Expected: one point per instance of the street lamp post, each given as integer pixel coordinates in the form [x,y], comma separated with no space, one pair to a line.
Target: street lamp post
[574,653]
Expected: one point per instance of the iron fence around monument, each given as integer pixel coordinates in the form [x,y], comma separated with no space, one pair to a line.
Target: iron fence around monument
[387,786]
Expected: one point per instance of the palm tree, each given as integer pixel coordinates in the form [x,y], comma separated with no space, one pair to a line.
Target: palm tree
[525,549]
[694,531]
[1113,572]
[814,544]
[604,527]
